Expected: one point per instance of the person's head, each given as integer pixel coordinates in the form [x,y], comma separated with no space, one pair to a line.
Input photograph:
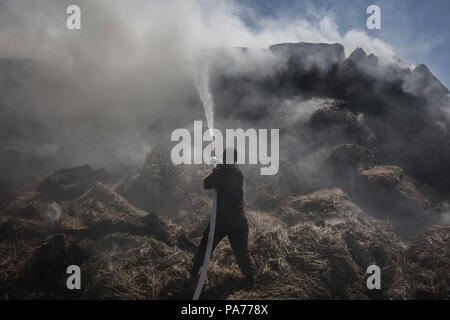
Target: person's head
[232,152]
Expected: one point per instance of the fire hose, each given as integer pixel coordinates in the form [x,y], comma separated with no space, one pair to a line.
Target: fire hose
[212,227]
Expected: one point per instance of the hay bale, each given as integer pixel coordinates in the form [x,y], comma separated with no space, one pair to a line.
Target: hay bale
[303,262]
[102,211]
[367,240]
[350,156]
[391,179]
[53,216]
[13,229]
[260,222]
[383,175]
[337,124]
[386,192]
[123,266]
[428,258]
[322,201]
[266,192]
[102,205]
[66,184]
[46,267]
[342,163]
[28,206]
[152,187]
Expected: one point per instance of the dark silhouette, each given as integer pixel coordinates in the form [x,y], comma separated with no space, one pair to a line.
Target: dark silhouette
[227,179]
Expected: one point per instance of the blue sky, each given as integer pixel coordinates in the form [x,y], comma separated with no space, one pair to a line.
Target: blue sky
[418,30]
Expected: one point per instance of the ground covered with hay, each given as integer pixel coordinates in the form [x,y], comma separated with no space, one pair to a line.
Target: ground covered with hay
[315,245]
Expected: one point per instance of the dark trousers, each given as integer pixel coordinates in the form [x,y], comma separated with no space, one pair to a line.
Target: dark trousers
[238,237]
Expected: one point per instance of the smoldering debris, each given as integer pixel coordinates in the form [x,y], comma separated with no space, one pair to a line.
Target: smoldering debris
[312,246]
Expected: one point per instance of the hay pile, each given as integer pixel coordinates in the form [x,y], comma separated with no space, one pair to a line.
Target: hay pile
[337,124]
[136,267]
[102,206]
[325,252]
[383,191]
[151,187]
[98,226]
[47,264]
[429,264]
[391,179]
[386,192]
[28,206]
[350,156]
[311,246]
[18,238]
[66,184]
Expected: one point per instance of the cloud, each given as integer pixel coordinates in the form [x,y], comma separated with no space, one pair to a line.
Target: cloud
[382,50]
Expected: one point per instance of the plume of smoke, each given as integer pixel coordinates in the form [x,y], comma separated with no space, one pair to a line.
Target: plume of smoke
[53,212]
[104,94]
[111,256]
[445,218]
[445,215]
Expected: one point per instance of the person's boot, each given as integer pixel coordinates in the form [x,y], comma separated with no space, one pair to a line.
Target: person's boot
[249,281]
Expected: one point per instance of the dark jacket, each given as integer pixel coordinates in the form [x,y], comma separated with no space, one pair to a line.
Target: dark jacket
[229,183]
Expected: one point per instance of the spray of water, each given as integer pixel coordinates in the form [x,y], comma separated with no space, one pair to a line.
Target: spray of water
[201,78]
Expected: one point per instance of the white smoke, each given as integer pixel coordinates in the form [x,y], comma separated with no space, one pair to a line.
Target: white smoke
[111,89]
[445,218]
[445,214]
[53,212]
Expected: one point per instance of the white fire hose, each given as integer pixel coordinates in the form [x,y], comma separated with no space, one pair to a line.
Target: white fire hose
[208,251]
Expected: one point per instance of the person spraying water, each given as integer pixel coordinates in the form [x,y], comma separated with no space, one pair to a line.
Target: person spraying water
[226,183]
